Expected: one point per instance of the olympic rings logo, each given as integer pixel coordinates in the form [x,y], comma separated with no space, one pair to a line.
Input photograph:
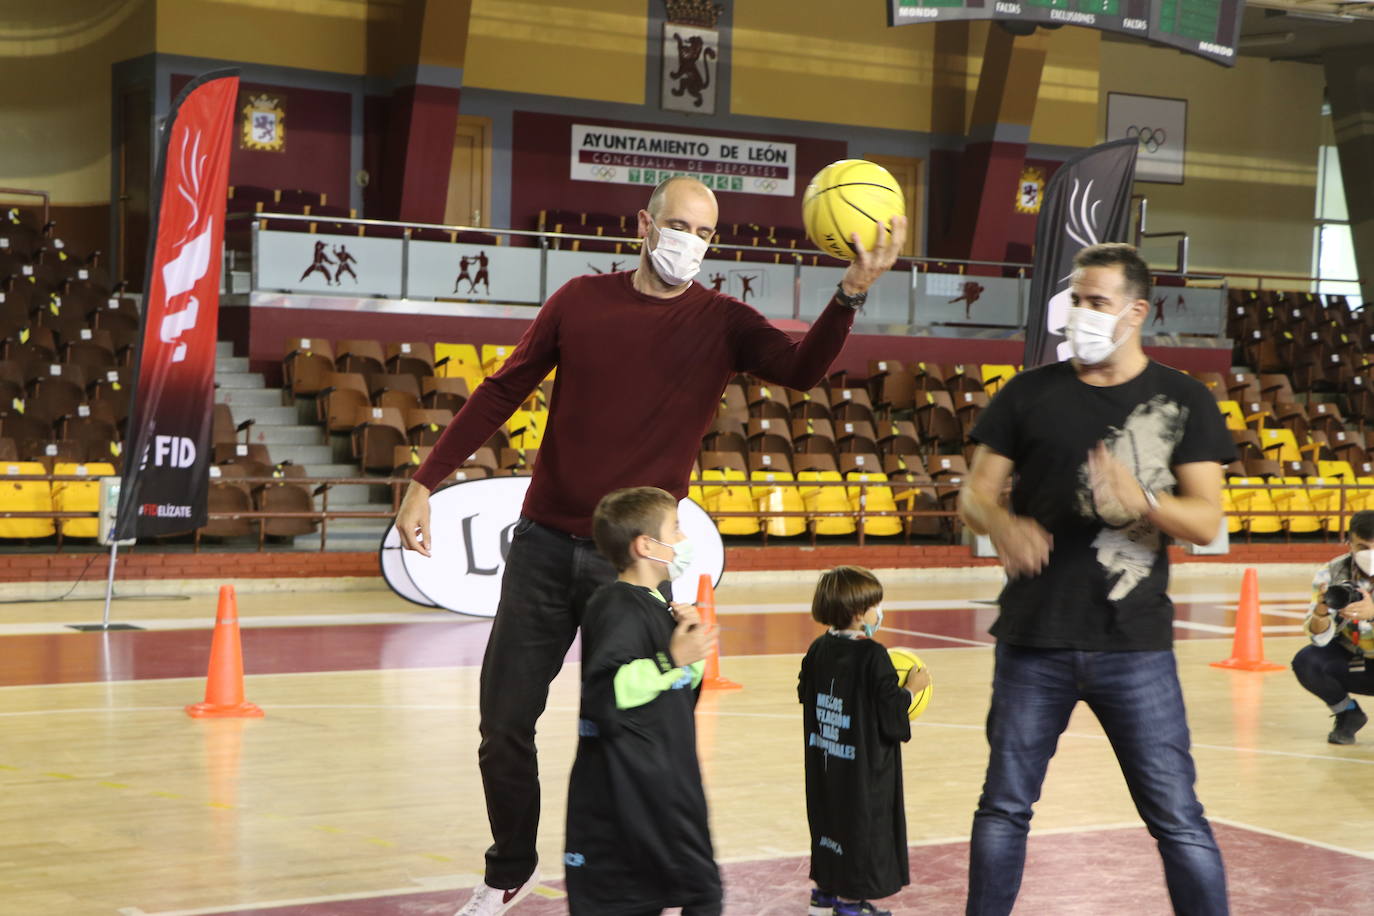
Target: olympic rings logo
[1152,138]
[604,172]
[768,184]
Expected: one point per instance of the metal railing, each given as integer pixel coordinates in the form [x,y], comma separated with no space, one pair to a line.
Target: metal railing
[25,192]
[547,241]
[1332,519]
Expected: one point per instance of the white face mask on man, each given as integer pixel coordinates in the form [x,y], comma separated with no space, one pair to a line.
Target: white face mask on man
[677,256]
[1364,559]
[1092,334]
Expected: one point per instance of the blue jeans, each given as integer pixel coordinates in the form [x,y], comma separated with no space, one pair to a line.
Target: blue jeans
[1136,697]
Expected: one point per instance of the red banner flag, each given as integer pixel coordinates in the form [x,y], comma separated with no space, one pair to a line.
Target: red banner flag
[167,446]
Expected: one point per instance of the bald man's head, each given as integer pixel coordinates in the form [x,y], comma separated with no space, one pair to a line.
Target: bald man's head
[681,203]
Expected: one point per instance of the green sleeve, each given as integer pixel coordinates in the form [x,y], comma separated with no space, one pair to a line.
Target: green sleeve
[640,681]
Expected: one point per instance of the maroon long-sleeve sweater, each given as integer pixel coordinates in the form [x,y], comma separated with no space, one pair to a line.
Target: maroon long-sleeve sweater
[639,381]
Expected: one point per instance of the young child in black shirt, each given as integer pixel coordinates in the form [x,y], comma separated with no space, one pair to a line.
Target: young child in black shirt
[855,722]
[638,840]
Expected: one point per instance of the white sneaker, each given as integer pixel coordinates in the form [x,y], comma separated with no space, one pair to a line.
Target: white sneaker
[492,901]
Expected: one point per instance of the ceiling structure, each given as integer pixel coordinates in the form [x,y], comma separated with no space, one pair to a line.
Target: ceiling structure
[1303,30]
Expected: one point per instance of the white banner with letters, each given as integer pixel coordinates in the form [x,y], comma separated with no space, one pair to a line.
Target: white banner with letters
[620,155]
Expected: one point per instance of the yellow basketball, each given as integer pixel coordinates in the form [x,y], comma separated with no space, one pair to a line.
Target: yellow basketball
[847,197]
[906,661]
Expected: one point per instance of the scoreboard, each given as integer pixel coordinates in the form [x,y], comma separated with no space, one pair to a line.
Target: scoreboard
[1208,28]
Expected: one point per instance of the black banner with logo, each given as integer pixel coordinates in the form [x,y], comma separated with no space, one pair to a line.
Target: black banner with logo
[167,457]
[1087,201]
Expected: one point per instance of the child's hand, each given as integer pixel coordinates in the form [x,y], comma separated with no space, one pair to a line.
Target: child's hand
[684,612]
[691,642]
[916,681]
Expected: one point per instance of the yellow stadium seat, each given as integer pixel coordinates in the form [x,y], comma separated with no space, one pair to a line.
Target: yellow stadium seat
[719,494]
[463,363]
[1234,418]
[1338,469]
[1326,499]
[1250,501]
[1362,500]
[827,499]
[1293,497]
[25,496]
[1229,506]
[79,496]
[1279,444]
[495,355]
[876,499]
[526,428]
[995,376]
[771,495]
[457,353]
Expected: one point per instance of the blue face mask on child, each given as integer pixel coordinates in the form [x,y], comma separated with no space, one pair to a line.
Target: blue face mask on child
[871,628]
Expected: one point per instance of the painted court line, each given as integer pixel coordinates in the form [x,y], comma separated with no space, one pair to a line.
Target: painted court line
[966,642]
[1280,835]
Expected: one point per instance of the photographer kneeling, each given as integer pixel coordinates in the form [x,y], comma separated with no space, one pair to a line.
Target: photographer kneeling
[1340,660]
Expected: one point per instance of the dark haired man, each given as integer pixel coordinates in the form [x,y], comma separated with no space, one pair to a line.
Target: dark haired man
[1109,455]
[1337,663]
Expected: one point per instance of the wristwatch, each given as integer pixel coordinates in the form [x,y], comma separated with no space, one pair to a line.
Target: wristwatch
[853,302]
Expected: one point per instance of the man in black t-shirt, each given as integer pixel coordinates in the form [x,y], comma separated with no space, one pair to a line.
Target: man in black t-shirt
[1109,455]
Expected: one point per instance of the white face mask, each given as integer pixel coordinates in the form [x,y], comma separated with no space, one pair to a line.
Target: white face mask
[1091,334]
[682,557]
[677,256]
[1364,559]
[871,628]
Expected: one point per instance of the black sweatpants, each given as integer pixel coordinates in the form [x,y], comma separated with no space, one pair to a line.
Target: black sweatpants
[548,578]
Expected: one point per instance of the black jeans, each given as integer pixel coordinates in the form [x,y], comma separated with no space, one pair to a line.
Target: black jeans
[1326,672]
[548,578]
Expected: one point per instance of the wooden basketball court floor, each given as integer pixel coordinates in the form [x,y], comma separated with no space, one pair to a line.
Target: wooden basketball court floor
[358,793]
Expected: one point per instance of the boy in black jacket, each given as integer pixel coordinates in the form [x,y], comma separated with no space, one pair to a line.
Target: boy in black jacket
[637,835]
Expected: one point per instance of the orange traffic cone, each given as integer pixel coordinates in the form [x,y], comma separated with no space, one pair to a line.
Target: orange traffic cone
[706,604]
[1247,650]
[224,685]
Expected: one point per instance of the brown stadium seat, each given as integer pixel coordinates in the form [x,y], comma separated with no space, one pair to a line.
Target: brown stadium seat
[400,391]
[251,460]
[415,359]
[862,462]
[94,424]
[768,461]
[851,404]
[282,495]
[443,393]
[720,461]
[484,457]
[13,382]
[307,365]
[768,435]
[35,348]
[376,432]
[424,427]
[92,350]
[338,402]
[114,388]
[228,494]
[365,356]
[813,404]
[895,390]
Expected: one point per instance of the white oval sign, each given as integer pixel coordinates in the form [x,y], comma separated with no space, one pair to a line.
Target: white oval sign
[470,528]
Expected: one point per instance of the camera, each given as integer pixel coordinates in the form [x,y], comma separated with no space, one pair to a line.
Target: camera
[1341,595]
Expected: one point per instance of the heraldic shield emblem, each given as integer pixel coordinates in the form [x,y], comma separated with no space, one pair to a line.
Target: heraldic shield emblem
[263,118]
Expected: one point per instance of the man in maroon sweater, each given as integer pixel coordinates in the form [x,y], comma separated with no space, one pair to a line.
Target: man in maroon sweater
[642,358]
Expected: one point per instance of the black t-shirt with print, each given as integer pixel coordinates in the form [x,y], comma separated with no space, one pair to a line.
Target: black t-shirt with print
[1104,586]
